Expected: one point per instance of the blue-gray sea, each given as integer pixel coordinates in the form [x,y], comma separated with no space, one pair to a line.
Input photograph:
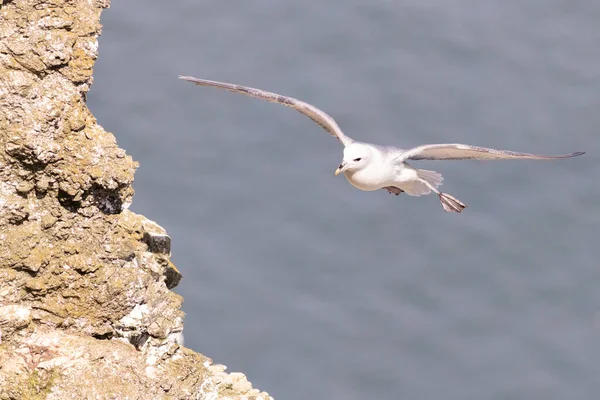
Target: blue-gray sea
[316,290]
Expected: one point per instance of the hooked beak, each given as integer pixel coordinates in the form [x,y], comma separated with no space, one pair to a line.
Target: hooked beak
[340,169]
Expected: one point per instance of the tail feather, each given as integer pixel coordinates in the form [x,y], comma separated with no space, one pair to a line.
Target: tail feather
[451,203]
[435,179]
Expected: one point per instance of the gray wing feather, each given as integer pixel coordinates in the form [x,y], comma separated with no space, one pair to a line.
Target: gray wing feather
[456,151]
[320,117]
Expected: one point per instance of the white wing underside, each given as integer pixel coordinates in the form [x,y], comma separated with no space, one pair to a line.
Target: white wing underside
[457,151]
[319,116]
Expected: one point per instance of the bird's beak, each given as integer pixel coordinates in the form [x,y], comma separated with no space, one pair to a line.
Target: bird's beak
[340,169]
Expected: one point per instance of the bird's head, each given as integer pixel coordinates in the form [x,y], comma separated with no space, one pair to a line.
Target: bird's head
[356,157]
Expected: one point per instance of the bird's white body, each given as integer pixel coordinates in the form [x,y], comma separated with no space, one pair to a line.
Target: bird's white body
[376,175]
[380,173]
[370,167]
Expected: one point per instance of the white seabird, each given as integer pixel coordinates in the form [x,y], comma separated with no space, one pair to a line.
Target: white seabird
[372,167]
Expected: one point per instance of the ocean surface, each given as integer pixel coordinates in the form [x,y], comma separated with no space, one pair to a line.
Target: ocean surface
[316,290]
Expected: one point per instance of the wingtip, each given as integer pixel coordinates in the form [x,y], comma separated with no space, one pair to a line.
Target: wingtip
[574,154]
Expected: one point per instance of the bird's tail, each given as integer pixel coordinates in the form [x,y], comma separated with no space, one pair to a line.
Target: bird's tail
[435,179]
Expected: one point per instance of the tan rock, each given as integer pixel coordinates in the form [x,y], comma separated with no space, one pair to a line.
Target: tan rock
[86,309]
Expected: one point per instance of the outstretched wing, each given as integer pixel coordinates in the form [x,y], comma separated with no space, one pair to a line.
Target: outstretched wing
[456,151]
[312,112]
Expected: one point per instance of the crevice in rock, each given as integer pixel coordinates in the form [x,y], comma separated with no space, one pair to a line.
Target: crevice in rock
[107,201]
[103,336]
[67,201]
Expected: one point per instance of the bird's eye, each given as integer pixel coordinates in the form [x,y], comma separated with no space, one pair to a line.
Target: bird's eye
[357,159]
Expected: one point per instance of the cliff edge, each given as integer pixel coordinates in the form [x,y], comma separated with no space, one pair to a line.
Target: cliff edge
[86,310]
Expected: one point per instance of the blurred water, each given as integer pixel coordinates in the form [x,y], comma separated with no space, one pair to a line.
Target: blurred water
[317,290]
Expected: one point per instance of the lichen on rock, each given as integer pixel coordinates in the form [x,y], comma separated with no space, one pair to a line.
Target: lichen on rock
[86,309]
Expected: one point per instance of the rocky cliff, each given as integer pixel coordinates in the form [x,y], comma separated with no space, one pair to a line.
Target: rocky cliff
[86,310]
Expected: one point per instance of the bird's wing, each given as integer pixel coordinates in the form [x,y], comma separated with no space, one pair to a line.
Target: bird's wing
[456,151]
[312,112]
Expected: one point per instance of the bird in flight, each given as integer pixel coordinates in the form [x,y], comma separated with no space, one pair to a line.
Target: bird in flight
[372,167]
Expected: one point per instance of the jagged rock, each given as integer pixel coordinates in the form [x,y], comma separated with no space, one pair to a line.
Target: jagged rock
[86,309]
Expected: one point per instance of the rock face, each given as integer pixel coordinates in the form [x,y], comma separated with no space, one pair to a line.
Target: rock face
[86,310]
